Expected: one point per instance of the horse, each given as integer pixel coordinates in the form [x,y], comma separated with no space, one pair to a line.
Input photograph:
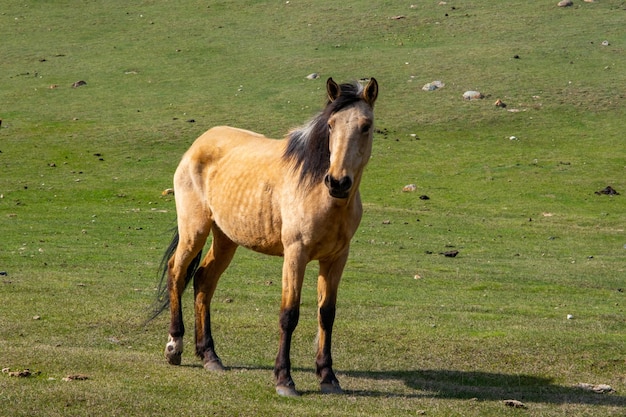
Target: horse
[297,197]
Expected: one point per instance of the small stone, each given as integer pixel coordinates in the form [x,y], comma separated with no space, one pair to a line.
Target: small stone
[608,190]
[313,76]
[605,43]
[565,3]
[432,86]
[514,404]
[21,374]
[79,84]
[499,103]
[409,188]
[472,95]
[75,377]
[598,389]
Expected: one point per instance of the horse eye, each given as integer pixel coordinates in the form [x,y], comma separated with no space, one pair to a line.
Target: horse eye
[366,128]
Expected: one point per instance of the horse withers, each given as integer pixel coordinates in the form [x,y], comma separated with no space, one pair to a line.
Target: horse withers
[297,198]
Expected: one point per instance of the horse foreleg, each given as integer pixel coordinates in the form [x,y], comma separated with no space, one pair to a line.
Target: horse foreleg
[293,275]
[205,281]
[327,285]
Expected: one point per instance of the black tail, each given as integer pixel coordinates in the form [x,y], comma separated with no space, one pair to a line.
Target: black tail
[162,301]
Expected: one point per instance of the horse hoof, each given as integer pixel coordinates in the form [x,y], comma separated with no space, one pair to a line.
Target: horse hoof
[173,358]
[214,366]
[331,388]
[174,350]
[287,391]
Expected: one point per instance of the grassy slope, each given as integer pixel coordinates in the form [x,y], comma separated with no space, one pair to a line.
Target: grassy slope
[82,238]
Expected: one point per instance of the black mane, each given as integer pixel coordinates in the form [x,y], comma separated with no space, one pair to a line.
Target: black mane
[307,146]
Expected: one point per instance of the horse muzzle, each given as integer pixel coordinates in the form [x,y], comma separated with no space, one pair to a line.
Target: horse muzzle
[338,188]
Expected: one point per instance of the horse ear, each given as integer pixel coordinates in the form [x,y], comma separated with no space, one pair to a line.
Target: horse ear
[370,93]
[333,90]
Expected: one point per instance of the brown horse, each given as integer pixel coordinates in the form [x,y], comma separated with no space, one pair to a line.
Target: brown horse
[297,198]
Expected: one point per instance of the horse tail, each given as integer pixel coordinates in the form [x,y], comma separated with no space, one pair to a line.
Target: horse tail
[162,301]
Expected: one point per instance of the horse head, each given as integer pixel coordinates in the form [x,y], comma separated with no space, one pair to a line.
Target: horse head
[350,134]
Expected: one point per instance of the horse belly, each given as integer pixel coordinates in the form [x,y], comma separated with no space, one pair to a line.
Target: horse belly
[245,209]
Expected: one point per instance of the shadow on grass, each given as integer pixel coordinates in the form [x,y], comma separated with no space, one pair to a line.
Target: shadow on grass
[463,385]
[483,386]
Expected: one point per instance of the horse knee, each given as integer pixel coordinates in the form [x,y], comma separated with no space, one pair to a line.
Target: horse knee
[288,319]
[327,316]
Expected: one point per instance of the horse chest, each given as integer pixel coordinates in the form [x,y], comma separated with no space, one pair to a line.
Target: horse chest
[323,232]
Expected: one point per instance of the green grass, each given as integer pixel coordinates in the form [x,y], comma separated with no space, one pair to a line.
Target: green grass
[83,224]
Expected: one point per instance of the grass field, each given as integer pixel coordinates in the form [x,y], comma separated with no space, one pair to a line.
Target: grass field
[83,223]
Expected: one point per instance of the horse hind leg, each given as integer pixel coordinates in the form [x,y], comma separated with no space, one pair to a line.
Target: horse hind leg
[205,281]
[180,269]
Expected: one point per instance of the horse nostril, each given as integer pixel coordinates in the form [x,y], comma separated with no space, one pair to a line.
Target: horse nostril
[338,188]
[345,183]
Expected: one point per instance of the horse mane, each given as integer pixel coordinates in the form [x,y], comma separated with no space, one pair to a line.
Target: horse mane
[307,146]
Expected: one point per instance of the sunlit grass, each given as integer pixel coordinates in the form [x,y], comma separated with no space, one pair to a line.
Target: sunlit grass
[83,223]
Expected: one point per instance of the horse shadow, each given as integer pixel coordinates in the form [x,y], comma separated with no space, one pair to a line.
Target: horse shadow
[467,385]
[483,386]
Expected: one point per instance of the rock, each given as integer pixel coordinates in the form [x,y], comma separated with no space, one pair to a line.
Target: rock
[499,103]
[75,377]
[514,404]
[450,253]
[409,188]
[565,3]
[168,191]
[313,76]
[608,190]
[24,373]
[432,86]
[472,95]
[79,84]
[598,389]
